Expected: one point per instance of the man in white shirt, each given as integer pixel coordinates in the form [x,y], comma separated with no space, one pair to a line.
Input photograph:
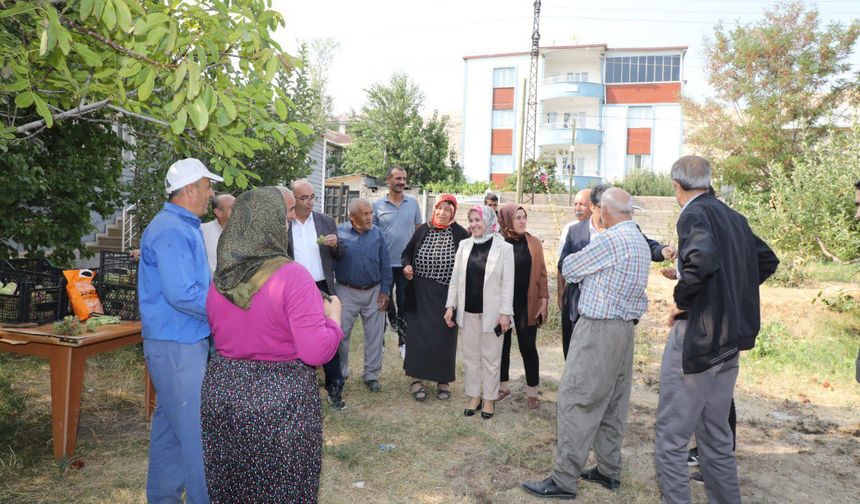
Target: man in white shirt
[314,244]
[223,207]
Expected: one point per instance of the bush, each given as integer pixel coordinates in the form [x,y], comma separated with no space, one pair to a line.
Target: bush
[539,177]
[809,211]
[458,187]
[641,182]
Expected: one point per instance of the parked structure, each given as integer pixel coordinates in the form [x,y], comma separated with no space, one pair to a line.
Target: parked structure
[625,103]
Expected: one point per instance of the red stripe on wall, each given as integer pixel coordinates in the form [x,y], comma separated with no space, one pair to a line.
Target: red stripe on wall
[667,92]
[503,98]
[638,140]
[502,141]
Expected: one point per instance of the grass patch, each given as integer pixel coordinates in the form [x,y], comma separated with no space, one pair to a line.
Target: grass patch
[832,272]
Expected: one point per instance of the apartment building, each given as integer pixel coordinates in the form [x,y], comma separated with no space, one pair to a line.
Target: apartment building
[620,107]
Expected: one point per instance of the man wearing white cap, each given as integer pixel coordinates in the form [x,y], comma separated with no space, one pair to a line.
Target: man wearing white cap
[173,279]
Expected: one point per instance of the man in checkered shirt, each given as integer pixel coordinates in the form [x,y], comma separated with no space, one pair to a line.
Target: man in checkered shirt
[595,387]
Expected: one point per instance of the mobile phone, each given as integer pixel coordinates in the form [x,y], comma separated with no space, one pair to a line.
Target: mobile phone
[498,329]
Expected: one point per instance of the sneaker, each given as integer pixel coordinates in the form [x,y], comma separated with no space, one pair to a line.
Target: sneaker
[335,397]
[402,350]
[373,385]
[697,477]
[693,457]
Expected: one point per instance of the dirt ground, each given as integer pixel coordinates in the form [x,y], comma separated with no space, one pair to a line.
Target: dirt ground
[798,440]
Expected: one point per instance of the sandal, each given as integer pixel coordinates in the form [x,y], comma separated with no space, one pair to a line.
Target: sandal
[443,394]
[420,393]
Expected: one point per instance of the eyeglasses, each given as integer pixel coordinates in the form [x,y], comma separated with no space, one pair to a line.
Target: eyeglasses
[307,198]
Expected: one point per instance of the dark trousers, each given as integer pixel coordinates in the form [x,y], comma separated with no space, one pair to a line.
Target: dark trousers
[527,340]
[397,304]
[566,324]
[331,369]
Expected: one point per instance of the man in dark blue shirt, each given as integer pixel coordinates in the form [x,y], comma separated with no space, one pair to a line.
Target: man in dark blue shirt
[363,283]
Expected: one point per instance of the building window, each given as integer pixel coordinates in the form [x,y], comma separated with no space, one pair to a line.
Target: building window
[640,117]
[629,69]
[504,77]
[502,163]
[638,162]
[503,119]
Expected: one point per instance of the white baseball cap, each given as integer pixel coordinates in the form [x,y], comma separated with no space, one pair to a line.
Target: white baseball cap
[187,171]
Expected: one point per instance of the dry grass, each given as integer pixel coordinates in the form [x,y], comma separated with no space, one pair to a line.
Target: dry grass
[790,426]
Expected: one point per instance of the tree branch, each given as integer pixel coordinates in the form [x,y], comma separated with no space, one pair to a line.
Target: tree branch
[138,116]
[84,31]
[830,255]
[92,107]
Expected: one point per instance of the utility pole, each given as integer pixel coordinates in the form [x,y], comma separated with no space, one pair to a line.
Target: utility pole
[531,108]
[521,158]
[572,165]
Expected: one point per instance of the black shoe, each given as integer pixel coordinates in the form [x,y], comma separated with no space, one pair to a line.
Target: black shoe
[335,396]
[547,489]
[697,477]
[693,457]
[471,412]
[487,416]
[373,385]
[594,476]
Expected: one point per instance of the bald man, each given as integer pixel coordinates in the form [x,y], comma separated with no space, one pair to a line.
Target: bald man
[594,391]
[222,208]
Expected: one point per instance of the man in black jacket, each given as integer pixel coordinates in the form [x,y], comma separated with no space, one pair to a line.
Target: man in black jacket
[721,264]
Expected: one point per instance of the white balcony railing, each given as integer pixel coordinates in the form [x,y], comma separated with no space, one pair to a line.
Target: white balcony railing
[572,79]
[581,123]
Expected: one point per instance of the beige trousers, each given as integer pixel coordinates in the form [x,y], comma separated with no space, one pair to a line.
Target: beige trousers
[482,356]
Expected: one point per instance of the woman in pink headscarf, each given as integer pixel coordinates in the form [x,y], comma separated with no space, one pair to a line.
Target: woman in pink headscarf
[481,295]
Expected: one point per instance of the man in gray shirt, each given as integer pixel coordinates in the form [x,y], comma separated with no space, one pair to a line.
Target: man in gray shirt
[397,215]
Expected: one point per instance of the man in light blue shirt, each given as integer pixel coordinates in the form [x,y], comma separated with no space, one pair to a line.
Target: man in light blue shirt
[173,280]
[397,215]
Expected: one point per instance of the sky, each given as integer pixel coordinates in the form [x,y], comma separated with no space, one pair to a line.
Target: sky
[428,39]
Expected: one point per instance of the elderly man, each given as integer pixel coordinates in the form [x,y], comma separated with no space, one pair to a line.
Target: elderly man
[307,230]
[595,386]
[363,276]
[398,216]
[492,201]
[716,315]
[581,210]
[172,284]
[222,208]
[578,236]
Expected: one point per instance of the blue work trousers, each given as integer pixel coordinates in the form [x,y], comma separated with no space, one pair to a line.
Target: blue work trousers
[175,441]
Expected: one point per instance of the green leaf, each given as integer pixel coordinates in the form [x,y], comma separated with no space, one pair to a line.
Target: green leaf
[281,109]
[63,39]
[42,110]
[271,69]
[199,114]
[193,80]
[130,70]
[302,128]
[179,75]
[98,8]
[15,87]
[177,100]
[229,106]
[123,16]
[155,36]
[43,43]
[85,9]
[90,58]
[178,125]
[109,15]
[171,38]
[145,89]
[19,8]
[24,99]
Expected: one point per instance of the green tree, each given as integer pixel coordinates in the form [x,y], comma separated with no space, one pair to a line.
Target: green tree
[202,71]
[390,132]
[777,83]
[809,213]
[539,177]
[50,188]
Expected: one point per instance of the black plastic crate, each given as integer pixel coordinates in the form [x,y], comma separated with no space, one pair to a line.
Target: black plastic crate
[34,265]
[118,268]
[37,297]
[119,300]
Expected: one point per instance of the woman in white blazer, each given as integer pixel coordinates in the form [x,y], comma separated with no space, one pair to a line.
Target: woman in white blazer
[481,293]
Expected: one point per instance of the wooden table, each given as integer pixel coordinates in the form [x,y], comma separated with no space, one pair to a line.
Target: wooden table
[67,356]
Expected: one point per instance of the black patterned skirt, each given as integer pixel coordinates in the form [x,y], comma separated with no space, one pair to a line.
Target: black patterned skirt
[262,431]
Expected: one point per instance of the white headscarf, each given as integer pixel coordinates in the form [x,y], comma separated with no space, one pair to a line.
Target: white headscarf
[488,215]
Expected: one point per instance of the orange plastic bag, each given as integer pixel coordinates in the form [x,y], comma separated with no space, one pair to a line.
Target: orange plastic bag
[82,295]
